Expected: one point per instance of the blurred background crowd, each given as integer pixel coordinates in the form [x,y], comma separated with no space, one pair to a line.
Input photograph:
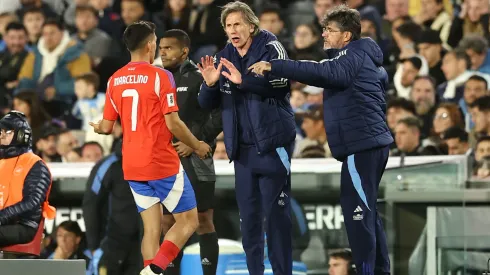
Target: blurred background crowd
[56,57]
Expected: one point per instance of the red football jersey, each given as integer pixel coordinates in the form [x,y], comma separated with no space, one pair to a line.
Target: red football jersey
[141,94]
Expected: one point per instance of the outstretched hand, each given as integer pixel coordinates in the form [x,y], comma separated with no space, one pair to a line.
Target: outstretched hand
[96,126]
[208,71]
[261,67]
[234,75]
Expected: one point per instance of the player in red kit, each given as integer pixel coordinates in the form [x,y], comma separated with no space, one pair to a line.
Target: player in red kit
[144,97]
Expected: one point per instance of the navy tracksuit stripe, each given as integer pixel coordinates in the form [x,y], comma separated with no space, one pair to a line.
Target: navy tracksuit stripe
[360,177]
[263,189]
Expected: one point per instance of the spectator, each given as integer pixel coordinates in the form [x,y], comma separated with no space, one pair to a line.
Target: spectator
[482,148]
[5,19]
[297,100]
[92,151]
[175,15]
[270,20]
[206,31]
[433,17]
[406,35]
[27,102]
[406,73]
[454,65]
[476,47]
[398,108]
[74,155]
[424,97]
[447,115]
[96,43]
[68,243]
[314,130]
[483,169]
[340,262]
[408,139]
[471,18]
[321,8]
[65,143]
[306,44]
[474,88]
[392,56]
[46,144]
[90,103]
[312,151]
[430,47]
[314,95]
[370,27]
[220,152]
[28,4]
[394,9]
[480,113]
[33,21]
[109,21]
[12,57]
[52,66]
[456,140]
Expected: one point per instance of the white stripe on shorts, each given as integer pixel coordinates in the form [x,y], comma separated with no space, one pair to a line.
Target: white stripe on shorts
[173,197]
[144,202]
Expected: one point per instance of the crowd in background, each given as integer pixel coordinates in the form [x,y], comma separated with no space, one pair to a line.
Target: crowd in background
[56,57]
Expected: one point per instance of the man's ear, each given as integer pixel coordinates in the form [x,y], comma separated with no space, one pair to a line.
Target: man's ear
[347,36]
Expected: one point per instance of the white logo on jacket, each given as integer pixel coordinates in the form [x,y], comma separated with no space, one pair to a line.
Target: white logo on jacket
[182,89]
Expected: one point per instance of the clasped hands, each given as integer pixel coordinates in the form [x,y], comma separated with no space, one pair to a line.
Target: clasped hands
[211,74]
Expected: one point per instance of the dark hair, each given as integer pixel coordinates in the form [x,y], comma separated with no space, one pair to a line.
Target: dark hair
[16,26]
[482,103]
[410,30]
[180,35]
[474,42]
[478,78]
[38,115]
[78,151]
[54,22]
[90,78]
[402,103]
[137,34]
[88,143]
[71,226]
[482,139]
[344,254]
[271,8]
[89,8]
[347,19]
[426,77]
[314,30]
[455,132]
[454,113]
[34,9]
[460,54]
[411,122]
[415,61]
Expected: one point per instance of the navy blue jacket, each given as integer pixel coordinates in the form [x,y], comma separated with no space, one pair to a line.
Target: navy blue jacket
[263,100]
[354,95]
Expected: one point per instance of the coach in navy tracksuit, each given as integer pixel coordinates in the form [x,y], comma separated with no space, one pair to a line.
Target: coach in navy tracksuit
[355,122]
[259,130]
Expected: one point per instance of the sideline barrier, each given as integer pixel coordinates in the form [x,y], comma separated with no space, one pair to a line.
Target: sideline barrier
[42,267]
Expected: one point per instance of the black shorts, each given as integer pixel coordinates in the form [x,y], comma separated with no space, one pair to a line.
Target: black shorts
[204,190]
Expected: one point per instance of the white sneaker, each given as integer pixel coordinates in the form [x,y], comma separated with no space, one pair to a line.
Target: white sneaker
[147,271]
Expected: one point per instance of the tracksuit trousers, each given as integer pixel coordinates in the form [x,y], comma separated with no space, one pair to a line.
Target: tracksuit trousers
[360,178]
[263,189]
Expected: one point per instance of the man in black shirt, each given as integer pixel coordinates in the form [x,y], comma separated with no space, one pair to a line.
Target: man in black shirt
[174,51]
[111,219]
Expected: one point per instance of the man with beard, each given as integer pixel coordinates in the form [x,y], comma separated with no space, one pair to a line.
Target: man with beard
[423,96]
[174,51]
[46,145]
[474,88]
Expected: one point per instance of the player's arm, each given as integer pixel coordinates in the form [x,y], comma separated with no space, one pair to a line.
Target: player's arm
[105,126]
[177,127]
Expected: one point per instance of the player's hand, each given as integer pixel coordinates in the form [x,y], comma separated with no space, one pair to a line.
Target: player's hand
[96,126]
[182,149]
[260,67]
[204,151]
[234,75]
[208,71]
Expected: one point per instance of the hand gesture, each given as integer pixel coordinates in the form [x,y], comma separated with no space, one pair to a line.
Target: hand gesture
[96,126]
[261,67]
[234,75]
[208,71]
[204,151]
[182,149]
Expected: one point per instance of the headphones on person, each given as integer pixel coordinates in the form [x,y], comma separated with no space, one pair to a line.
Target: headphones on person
[22,132]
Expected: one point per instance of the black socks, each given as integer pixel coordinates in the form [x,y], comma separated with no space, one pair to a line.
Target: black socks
[209,247]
